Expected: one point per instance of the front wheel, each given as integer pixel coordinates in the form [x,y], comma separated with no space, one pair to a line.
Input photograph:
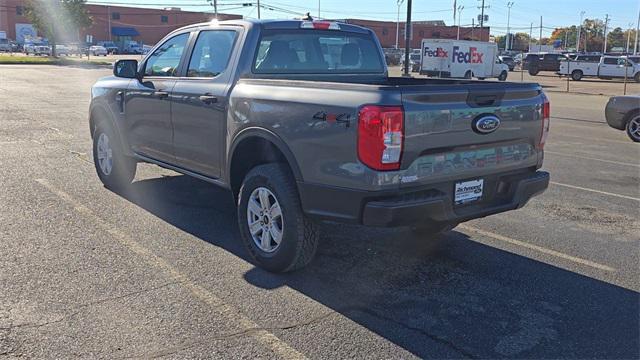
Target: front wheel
[637,77]
[114,168]
[633,127]
[503,76]
[273,227]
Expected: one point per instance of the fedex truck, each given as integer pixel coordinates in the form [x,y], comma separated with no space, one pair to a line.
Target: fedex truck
[462,59]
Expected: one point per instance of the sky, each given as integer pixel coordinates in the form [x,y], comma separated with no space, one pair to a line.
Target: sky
[555,13]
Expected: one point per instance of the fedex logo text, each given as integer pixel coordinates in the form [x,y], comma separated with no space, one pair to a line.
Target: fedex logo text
[439,52]
[472,56]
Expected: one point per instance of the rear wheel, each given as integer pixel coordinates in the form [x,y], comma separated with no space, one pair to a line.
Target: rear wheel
[576,75]
[114,168]
[533,70]
[273,228]
[637,77]
[468,75]
[503,76]
[633,127]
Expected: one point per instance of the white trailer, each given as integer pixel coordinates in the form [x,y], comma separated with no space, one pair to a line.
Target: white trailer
[462,59]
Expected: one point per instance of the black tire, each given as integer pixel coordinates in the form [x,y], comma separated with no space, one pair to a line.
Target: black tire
[533,70]
[123,167]
[299,234]
[432,228]
[633,124]
[637,77]
[503,76]
[468,75]
[576,75]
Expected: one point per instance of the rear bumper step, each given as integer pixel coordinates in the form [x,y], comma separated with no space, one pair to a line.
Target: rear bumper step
[409,209]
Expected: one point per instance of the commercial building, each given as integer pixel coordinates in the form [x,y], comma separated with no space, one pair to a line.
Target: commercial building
[434,29]
[115,23]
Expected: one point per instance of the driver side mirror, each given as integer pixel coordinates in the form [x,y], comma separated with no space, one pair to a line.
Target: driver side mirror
[126,69]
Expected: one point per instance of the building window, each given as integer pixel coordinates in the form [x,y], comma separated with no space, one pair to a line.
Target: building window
[385,31]
[164,18]
[115,16]
[19,10]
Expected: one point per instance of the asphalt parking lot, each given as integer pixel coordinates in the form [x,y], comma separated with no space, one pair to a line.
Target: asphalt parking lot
[160,271]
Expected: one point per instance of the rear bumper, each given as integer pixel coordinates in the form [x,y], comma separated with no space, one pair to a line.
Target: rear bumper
[410,207]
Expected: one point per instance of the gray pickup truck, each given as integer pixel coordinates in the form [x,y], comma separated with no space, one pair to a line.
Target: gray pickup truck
[300,120]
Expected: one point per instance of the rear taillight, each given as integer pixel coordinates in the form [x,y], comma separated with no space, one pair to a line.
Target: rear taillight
[380,136]
[546,115]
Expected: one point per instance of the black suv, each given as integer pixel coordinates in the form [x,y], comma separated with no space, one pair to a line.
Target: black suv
[536,62]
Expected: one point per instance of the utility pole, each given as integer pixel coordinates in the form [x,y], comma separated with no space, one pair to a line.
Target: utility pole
[482,21]
[407,39]
[258,9]
[635,44]
[215,8]
[398,23]
[579,32]
[540,38]
[473,26]
[606,23]
[507,45]
[530,36]
[318,9]
[460,8]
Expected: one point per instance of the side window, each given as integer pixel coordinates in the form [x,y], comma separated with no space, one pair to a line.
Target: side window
[611,61]
[165,60]
[211,53]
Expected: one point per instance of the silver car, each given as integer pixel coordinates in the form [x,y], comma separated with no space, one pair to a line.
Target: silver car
[623,113]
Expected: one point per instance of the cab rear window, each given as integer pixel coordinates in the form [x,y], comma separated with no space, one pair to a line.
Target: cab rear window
[316,52]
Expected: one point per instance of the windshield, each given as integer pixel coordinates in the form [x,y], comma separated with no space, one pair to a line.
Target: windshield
[316,52]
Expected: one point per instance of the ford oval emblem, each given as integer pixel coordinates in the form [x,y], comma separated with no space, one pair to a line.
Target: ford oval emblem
[486,124]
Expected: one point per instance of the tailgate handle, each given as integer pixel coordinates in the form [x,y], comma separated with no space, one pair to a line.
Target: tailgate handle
[484,100]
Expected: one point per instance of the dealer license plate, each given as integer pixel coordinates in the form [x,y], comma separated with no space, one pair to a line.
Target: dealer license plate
[468,191]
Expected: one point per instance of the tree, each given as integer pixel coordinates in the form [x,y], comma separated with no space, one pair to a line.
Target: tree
[519,41]
[616,38]
[566,35]
[58,19]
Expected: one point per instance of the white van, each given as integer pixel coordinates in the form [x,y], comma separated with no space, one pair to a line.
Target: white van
[462,59]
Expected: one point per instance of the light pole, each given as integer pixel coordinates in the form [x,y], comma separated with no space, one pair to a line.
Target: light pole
[635,44]
[460,8]
[508,43]
[579,31]
[398,24]
[606,24]
[629,36]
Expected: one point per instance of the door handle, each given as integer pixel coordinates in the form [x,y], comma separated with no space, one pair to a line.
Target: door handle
[161,94]
[208,99]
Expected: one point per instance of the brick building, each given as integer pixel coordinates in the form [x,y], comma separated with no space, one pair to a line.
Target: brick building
[386,31]
[116,23]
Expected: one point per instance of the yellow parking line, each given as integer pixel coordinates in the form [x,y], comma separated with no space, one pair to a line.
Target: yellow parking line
[536,248]
[592,158]
[264,337]
[595,191]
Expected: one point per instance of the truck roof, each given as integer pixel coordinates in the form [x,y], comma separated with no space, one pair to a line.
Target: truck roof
[273,24]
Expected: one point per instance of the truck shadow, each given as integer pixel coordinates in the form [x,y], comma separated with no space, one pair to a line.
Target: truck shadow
[444,297]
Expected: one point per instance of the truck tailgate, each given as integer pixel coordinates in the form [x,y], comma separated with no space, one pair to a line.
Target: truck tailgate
[441,142]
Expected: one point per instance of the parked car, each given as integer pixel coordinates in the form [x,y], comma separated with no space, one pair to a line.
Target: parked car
[307,126]
[623,113]
[37,49]
[536,62]
[146,49]
[131,47]
[5,46]
[63,50]
[111,47]
[508,60]
[97,50]
[606,67]
[414,62]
